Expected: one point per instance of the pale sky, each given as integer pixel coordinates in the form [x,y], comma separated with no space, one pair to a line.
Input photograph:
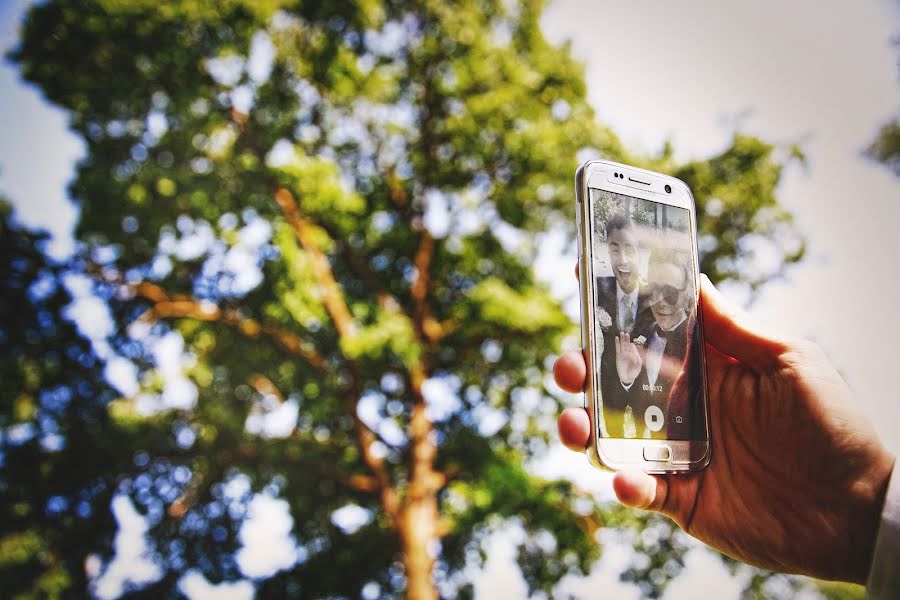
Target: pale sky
[824,75]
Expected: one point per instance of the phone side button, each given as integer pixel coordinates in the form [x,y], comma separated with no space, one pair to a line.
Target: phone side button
[657,453]
[578,236]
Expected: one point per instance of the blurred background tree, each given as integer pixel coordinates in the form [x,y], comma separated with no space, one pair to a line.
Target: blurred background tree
[885,148]
[61,454]
[314,225]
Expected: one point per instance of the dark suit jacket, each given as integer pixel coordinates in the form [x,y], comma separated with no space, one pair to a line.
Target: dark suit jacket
[613,395]
[642,394]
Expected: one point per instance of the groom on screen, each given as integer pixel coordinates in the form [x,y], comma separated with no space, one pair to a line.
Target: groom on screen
[623,308]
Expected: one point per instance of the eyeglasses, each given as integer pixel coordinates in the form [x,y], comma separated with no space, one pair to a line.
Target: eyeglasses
[669,293]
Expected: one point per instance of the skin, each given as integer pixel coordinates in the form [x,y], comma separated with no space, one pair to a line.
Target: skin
[623,258]
[628,357]
[797,477]
[667,315]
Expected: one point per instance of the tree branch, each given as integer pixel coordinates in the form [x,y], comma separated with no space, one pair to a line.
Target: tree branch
[366,438]
[165,306]
[357,483]
[207,311]
[265,386]
[340,315]
[333,297]
[337,309]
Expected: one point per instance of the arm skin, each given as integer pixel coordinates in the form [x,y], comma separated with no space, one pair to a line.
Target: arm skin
[797,477]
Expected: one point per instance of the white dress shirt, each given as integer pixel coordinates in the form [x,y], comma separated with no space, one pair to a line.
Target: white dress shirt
[655,349]
[884,575]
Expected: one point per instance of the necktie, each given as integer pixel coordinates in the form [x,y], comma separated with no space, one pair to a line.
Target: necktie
[629,429]
[628,321]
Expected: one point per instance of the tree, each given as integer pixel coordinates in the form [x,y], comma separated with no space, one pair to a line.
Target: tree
[58,452]
[331,210]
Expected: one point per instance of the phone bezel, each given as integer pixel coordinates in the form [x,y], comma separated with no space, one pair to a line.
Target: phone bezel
[618,453]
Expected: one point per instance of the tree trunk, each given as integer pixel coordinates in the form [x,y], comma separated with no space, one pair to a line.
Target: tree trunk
[419,525]
[419,516]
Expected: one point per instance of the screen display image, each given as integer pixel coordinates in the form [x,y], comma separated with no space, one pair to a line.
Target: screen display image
[645,320]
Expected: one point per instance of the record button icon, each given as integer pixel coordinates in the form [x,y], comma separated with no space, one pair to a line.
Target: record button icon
[654,418]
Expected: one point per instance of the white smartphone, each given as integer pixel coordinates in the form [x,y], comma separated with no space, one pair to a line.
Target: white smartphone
[646,390]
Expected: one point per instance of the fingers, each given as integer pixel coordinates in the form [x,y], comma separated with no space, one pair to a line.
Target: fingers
[728,329]
[623,342]
[569,371]
[574,427]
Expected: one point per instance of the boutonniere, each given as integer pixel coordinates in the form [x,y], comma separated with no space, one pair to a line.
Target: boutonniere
[639,341]
[604,319]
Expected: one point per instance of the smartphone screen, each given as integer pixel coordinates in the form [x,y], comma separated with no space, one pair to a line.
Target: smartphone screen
[646,326]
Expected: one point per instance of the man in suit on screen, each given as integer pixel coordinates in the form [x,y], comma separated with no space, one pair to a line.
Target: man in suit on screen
[622,308]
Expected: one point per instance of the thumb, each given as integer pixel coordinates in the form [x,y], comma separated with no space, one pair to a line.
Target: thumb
[732,332]
[674,499]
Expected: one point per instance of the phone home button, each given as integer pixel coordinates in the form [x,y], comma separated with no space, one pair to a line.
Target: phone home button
[657,453]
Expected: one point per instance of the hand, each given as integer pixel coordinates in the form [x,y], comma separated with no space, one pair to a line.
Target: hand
[797,476]
[628,359]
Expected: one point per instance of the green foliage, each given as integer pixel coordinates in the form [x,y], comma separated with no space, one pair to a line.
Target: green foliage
[838,590]
[389,334]
[279,220]
[59,454]
[885,148]
[317,182]
[295,290]
[496,306]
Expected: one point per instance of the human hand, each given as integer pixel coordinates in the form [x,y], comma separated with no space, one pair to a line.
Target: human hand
[628,359]
[797,476]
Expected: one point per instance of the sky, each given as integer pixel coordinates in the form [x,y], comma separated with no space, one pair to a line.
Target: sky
[822,75]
